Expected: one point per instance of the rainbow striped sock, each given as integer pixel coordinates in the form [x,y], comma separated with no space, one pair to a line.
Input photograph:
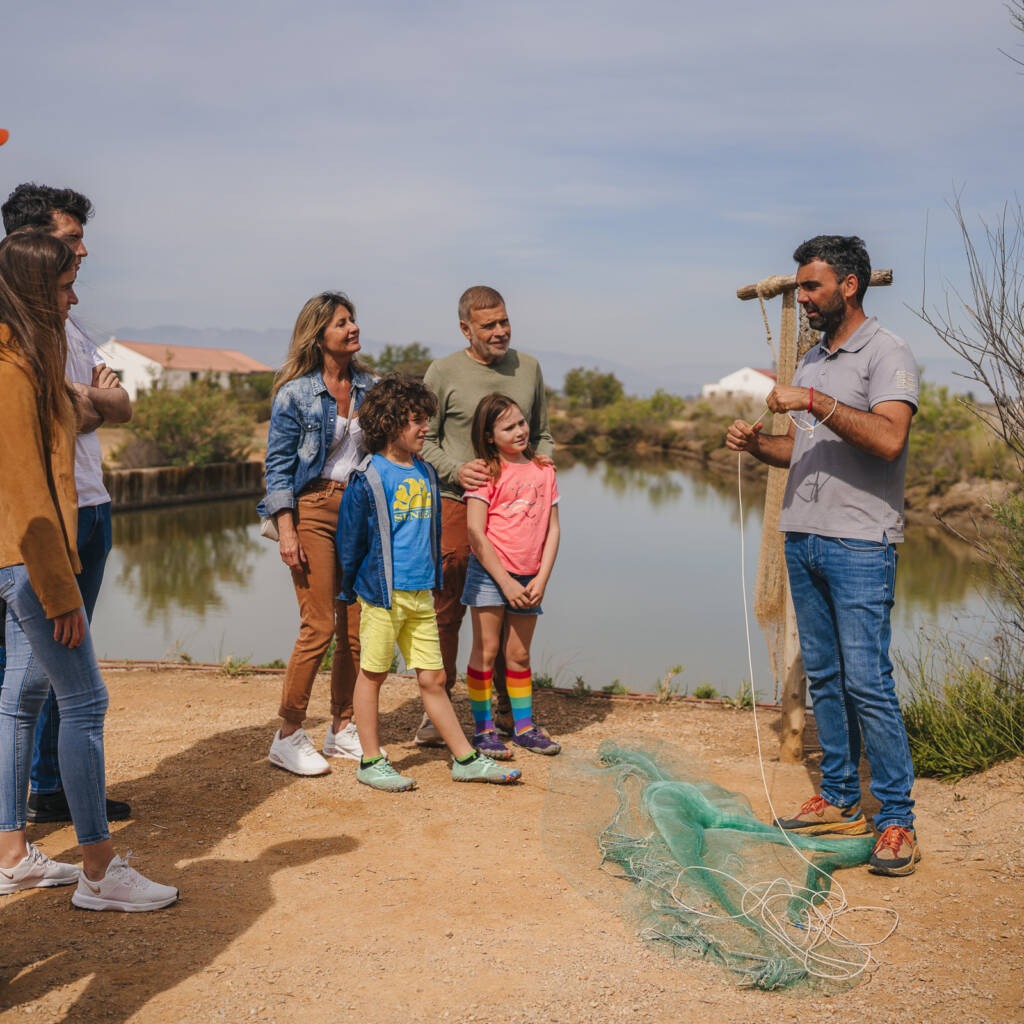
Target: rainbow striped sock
[478,683]
[520,694]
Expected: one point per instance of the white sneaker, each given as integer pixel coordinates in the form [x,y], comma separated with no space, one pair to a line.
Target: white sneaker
[296,754]
[122,888]
[36,871]
[344,743]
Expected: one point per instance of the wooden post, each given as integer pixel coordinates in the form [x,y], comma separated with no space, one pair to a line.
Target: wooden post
[794,691]
[792,681]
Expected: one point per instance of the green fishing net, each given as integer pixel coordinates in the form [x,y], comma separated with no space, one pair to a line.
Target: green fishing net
[639,831]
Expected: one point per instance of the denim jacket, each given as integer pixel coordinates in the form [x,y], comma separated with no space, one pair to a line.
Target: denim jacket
[302,422]
[363,537]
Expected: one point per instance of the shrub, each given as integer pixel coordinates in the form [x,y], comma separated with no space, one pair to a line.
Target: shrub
[413,359]
[963,714]
[197,425]
[591,389]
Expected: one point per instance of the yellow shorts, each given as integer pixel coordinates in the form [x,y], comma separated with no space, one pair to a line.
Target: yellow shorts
[409,622]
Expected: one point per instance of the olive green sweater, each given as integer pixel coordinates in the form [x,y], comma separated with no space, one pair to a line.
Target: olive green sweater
[459,382]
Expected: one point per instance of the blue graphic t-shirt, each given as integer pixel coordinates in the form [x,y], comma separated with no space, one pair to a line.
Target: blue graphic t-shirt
[407,489]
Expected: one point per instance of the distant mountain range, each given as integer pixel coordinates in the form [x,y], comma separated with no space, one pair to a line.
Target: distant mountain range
[679,378]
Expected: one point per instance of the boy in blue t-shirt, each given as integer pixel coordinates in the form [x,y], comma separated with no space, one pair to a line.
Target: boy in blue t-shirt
[389,546]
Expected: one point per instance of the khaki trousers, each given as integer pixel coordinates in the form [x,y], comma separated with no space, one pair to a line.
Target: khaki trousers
[321,615]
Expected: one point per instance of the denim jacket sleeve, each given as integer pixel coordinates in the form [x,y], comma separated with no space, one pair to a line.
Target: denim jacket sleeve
[286,429]
[352,537]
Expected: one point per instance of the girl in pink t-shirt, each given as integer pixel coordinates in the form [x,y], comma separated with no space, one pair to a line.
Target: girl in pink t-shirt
[513,537]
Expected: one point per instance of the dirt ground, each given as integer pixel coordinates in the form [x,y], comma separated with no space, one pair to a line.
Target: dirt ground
[319,900]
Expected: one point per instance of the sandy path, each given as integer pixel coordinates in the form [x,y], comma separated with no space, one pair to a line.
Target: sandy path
[318,900]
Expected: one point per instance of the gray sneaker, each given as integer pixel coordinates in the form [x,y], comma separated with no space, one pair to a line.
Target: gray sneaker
[384,776]
[427,734]
[484,769]
[36,871]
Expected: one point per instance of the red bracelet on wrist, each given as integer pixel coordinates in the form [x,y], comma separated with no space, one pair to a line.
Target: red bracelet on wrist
[810,401]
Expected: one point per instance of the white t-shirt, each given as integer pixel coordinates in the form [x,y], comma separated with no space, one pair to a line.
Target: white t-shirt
[82,357]
[346,452]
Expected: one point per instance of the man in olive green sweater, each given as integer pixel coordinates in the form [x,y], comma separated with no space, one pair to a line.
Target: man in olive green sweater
[460,380]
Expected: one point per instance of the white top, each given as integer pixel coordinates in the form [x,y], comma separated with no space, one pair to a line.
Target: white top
[82,357]
[346,452]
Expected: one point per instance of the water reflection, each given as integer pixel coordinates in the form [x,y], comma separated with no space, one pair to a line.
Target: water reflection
[936,569]
[182,558]
[648,576]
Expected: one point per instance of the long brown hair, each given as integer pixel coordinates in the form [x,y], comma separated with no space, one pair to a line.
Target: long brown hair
[487,413]
[304,351]
[31,264]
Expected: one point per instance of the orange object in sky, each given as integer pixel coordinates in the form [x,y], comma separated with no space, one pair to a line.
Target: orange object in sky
[4,135]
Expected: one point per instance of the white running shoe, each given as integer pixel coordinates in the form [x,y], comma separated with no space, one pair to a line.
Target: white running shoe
[344,743]
[122,888]
[296,754]
[36,871]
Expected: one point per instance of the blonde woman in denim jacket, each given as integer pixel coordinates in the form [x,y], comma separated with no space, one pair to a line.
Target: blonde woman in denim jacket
[313,445]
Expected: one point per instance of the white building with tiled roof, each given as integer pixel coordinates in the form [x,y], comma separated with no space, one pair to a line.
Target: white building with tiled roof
[744,383]
[141,364]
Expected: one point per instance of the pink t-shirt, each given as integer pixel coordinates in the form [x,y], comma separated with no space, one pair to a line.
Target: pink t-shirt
[519,506]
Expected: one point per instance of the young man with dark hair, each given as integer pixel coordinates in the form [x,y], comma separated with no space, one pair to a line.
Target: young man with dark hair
[99,398]
[851,402]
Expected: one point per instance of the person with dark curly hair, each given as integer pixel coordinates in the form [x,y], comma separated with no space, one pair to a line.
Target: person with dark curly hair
[389,546]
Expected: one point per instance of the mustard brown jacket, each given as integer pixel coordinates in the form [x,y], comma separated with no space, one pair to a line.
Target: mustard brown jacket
[38,500]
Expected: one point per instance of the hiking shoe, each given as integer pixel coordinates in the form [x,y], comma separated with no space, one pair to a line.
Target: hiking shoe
[895,853]
[384,776]
[427,734]
[122,888]
[47,807]
[36,871]
[538,741]
[817,817]
[504,723]
[344,743]
[484,769]
[296,754]
[489,744]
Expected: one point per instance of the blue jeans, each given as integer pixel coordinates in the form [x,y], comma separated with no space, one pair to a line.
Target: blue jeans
[94,543]
[843,595]
[35,661]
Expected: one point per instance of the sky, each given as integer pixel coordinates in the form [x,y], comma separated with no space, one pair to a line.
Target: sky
[616,170]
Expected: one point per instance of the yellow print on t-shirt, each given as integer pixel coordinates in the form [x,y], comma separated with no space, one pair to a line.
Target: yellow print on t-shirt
[412,500]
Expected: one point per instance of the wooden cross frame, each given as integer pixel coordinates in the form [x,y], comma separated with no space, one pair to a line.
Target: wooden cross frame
[792,681]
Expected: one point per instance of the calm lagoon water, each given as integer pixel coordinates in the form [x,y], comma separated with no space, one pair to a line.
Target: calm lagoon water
[648,578]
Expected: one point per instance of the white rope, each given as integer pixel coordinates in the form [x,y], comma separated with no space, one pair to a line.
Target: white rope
[821,914]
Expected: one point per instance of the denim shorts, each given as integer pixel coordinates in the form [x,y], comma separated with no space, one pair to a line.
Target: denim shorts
[481,591]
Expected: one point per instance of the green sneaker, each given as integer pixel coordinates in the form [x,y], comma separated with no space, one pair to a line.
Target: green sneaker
[817,817]
[484,769]
[383,776]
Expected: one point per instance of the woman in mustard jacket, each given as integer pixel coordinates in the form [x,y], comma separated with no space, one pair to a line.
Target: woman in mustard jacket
[48,641]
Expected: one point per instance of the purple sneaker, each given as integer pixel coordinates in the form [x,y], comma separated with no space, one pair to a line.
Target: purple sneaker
[538,741]
[489,744]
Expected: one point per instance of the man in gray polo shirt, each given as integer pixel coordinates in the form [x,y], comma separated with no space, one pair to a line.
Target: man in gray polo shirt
[850,405]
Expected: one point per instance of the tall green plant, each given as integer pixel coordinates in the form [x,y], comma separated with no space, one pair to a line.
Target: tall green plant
[194,426]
